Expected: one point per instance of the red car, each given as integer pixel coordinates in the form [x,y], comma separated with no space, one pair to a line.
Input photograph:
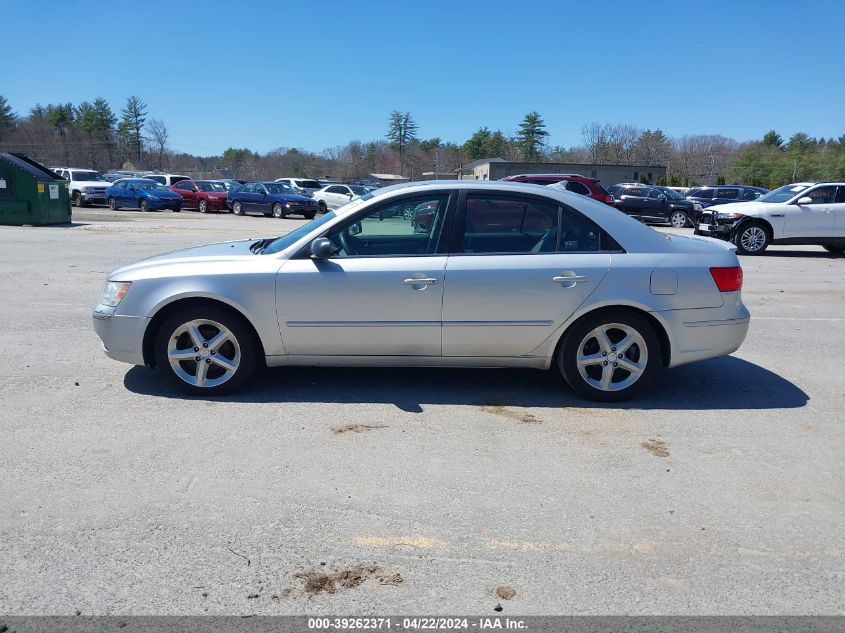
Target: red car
[204,195]
[576,183]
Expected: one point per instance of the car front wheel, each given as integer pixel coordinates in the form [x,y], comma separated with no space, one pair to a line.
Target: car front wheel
[113,204]
[206,350]
[751,239]
[203,207]
[678,219]
[278,211]
[610,356]
[237,209]
[321,205]
[143,206]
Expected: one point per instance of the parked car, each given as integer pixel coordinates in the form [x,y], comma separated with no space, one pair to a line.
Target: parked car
[800,213]
[142,193]
[203,195]
[681,190]
[576,183]
[335,196]
[270,198]
[724,194]
[166,179]
[230,183]
[654,204]
[307,185]
[537,278]
[86,186]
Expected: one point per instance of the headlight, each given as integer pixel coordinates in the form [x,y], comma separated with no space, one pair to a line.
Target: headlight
[727,216]
[696,206]
[287,204]
[151,197]
[113,292]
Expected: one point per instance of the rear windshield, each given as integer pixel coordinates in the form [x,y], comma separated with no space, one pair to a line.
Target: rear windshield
[308,184]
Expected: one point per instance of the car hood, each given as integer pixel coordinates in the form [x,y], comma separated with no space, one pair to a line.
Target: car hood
[290,197]
[91,183]
[748,208]
[162,194]
[203,255]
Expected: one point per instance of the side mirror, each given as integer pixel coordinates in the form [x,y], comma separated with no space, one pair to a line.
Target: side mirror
[805,200]
[133,188]
[351,195]
[321,248]
[355,229]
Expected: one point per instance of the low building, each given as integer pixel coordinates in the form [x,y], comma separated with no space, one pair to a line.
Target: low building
[497,168]
[387,179]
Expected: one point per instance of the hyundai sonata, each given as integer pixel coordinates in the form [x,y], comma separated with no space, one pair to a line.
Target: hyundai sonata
[489,275]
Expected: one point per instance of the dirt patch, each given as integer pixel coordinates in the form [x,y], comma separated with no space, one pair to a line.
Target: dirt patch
[346,578]
[505,592]
[507,412]
[656,447]
[357,428]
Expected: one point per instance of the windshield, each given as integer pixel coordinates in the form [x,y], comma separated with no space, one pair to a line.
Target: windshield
[782,194]
[671,194]
[148,185]
[88,175]
[280,187]
[307,184]
[211,186]
[359,191]
[281,243]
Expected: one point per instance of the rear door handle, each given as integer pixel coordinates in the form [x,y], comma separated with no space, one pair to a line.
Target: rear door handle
[424,281]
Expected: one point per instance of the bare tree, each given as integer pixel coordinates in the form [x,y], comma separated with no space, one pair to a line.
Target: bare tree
[157,137]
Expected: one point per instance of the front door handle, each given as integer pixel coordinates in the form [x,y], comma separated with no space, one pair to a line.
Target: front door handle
[571,278]
[423,281]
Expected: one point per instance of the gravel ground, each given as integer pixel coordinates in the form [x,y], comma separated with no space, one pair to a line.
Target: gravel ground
[415,490]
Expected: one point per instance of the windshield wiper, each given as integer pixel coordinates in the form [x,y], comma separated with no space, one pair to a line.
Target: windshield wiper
[260,245]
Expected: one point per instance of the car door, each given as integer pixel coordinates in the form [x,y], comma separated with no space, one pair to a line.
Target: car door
[634,201]
[380,294]
[519,267]
[260,199]
[839,213]
[244,195]
[338,195]
[187,190]
[813,220]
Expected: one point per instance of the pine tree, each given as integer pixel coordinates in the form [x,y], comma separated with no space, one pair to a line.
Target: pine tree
[132,125]
[401,131]
[531,136]
[7,117]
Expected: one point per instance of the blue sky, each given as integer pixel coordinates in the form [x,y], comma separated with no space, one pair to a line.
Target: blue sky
[264,74]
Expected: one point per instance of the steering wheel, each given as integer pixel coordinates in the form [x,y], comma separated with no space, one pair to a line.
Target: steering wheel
[344,243]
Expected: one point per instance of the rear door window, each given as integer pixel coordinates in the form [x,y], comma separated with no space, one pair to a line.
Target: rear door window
[509,224]
[577,187]
[727,194]
[707,194]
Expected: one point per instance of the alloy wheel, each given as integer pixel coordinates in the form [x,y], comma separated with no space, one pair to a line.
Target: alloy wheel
[612,357]
[204,353]
[753,239]
[678,219]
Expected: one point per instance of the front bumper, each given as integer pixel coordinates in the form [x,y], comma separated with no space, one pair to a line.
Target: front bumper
[711,227]
[122,336]
[93,197]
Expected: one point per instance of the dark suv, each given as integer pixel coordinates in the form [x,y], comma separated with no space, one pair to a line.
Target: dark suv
[724,194]
[655,204]
[576,183]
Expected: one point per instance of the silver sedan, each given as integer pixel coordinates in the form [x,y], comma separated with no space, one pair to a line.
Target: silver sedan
[435,274]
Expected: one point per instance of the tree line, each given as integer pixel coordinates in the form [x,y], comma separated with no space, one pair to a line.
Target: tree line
[91,134]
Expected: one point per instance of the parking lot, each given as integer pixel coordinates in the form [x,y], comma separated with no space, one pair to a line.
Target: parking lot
[328,490]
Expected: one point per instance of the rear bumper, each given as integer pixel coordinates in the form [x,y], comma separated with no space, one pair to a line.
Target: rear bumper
[706,332]
[122,336]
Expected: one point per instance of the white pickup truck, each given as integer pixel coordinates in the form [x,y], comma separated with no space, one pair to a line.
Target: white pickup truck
[85,186]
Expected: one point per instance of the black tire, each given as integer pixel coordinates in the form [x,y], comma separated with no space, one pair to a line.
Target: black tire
[752,238]
[246,342]
[113,204]
[577,340]
[836,250]
[279,211]
[143,206]
[309,216]
[203,206]
[679,219]
[176,209]
[77,200]
[321,205]
[237,208]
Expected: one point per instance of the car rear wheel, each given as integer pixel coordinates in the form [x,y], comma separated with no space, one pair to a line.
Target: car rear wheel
[205,350]
[143,206]
[610,356]
[203,206]
[113,204]
[752,239]
[237,209]
[678,219]
[278,211]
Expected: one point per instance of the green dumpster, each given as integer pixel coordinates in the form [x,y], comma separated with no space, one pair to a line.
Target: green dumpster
[30,193]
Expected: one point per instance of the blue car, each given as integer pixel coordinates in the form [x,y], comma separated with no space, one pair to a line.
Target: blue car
[144,194]
[271,198]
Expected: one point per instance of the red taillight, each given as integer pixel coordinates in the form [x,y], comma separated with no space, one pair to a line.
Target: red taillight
[608,200]
[727,279]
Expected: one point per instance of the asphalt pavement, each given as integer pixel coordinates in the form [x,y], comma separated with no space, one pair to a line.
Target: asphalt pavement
[355,491]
